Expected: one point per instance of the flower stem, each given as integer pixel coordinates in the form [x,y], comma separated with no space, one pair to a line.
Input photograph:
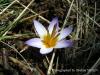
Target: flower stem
[51,63]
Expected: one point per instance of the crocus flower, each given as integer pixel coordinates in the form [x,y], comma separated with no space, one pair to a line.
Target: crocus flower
[50,38]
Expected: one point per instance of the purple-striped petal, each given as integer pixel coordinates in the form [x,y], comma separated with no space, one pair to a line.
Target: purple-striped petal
[35,42]
[53,23]
[40,29]
[63,43]
[65,32]
[46,50]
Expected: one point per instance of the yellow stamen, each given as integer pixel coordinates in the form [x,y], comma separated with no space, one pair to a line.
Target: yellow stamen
[49,41]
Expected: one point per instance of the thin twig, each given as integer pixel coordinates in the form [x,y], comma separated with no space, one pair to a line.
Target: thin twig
[81,12]
[5,59]
[32,16]
[18,53]
[20,15]
[57,65]
[8,7]
[47,59]
[95,13]
[65,21]
[51,63]
[5,15]
[34,12]
[93,67]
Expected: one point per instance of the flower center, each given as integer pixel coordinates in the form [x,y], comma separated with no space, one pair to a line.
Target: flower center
[50,41]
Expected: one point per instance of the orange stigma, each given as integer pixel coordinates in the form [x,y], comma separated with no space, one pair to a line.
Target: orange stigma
[50,40]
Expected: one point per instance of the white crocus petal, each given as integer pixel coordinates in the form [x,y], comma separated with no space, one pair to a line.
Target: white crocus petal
[52,24]
[40,29]
[35,42]
[63,43]
[65,32]
[46,50]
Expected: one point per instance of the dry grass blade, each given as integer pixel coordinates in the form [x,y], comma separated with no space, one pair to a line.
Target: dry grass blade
[12,25]
[68,14]
[5,15]
[8,7]
[22,66]
[51,64]
[97,63]
[18,53]
[34,13]
[83,13]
